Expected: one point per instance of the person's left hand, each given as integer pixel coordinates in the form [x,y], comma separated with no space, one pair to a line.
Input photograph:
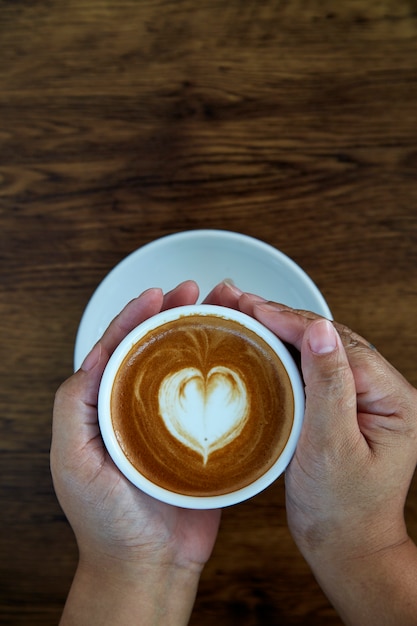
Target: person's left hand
[114,522]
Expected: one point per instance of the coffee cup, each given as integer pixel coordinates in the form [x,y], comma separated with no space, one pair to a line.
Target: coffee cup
[201,406]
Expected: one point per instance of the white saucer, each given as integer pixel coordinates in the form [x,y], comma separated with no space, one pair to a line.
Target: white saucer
[208,257]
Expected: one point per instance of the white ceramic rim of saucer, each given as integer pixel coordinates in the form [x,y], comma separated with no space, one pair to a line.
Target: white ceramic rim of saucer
[254,265]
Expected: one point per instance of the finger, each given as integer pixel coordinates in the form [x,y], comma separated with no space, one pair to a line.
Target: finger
[330,416]
[289,324]
[76,400]
[75,419]
[248,301]
[214,296]
[382,391]
[136,311]
[183,294]
[382,401]
[225,294]
[149,303]
[75,407]
[380,387]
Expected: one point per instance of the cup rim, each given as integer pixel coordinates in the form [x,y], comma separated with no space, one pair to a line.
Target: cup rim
[188,501]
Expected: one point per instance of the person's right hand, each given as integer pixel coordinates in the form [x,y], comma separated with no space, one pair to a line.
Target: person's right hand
[347,483]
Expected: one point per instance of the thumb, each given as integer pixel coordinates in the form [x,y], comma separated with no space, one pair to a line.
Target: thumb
[75,422]
[331,416]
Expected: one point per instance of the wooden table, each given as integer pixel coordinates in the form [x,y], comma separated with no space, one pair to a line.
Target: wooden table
[121,122]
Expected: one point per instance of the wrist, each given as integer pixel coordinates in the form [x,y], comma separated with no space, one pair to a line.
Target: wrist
[374,588]
[336,536]
[112,591]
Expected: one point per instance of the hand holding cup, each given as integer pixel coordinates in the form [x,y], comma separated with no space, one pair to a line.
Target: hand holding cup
[138,556]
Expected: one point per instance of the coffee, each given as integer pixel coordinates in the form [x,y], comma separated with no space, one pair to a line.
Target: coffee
[202,406]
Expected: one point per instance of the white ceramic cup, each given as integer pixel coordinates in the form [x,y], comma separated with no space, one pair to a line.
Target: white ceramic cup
[187,501]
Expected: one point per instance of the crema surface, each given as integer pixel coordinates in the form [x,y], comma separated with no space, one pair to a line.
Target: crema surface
[202,406]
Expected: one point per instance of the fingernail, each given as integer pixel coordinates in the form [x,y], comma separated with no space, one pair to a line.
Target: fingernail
[92,358]
[322,337]
[231,285]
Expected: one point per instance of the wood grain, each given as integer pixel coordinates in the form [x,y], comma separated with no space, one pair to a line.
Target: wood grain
[123,121]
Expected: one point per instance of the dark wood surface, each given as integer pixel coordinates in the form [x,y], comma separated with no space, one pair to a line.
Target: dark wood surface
[122,121]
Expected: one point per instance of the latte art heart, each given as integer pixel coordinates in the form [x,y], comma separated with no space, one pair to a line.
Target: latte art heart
[205,413]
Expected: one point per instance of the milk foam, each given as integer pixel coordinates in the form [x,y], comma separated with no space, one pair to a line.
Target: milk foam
[205,413]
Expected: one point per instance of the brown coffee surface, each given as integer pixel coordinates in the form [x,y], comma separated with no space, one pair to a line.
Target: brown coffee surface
[235,372]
